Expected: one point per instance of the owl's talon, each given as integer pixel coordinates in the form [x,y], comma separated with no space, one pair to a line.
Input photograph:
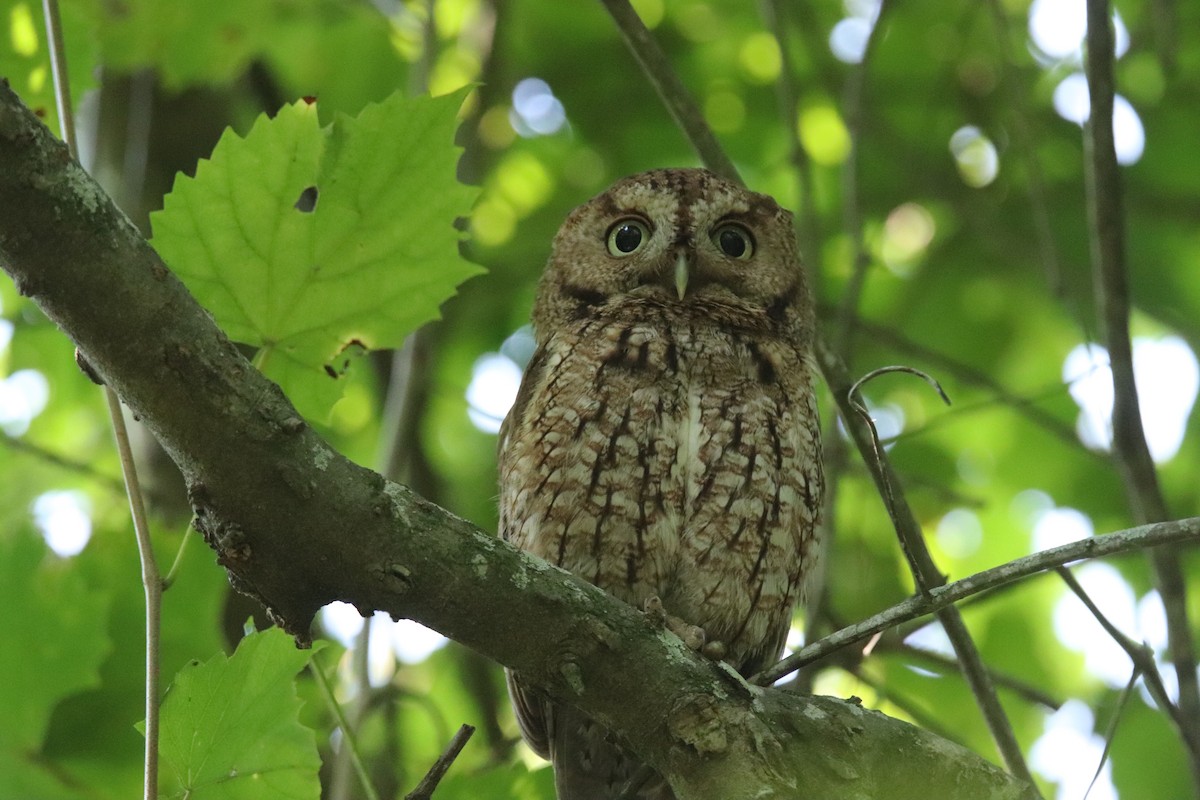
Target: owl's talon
[656,615]
[713,651]
[693,636]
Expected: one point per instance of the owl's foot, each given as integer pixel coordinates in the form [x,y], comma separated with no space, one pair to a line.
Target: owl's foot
[692,635]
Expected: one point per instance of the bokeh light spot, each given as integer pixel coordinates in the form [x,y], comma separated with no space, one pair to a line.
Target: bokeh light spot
[959,533]
[824,135]
[493,221]
[650,11]
[21,30]
[976,157]
[523,181]
[1071,98]
[760,58]
[1058,29]
[848,39]
[724,111]
[495,379]
[1054,527]
[23,395]
[1072,103]
[1167,377]
[698,22]
[908,231]
[535,109]
[64,518]
[1077,628]
[1068,753]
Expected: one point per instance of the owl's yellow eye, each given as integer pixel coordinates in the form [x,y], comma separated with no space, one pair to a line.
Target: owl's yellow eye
[734,241]
[627,237]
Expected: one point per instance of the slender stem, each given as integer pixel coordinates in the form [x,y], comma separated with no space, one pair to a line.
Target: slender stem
[151,581]
[1130,450]
[1140,654]
[86,470]
[675,96]
[58,68]
[344,762]
[438,771]
[173,572]
[349,740]
[1139,538]
[925,572]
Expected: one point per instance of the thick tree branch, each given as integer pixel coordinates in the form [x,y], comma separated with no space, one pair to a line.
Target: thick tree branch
[298,525]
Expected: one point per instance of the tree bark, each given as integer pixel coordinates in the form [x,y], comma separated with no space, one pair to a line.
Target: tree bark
[297,525]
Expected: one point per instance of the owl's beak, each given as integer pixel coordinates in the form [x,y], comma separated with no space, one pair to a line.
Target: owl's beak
[682,273]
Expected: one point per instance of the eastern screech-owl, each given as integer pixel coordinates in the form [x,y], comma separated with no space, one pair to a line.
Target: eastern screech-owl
[665,442]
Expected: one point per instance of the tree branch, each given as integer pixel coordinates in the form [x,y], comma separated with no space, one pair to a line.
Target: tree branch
[919,605]
[297,525]
[1130,451]
[674,94]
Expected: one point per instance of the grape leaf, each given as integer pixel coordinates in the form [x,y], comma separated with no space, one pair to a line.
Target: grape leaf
[54,642]
[230,727]
[318,244]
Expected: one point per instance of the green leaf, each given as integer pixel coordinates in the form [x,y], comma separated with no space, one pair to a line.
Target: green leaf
[361,269]
[230,726]
[53,646]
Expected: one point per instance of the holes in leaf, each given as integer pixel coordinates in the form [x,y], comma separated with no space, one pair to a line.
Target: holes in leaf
[307,201]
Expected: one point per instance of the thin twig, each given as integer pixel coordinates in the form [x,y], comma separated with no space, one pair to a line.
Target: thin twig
[349,740]
[1139,538]
[1140,654]
[1017,686]
[675,96]
[1111,730]
[151,581]
[87,470]
[910,547]
[1021,403]
[925,571]
[435,774]
[1130,451]
[173,572]
[346,759]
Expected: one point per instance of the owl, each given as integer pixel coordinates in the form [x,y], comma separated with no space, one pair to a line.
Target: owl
[664,444]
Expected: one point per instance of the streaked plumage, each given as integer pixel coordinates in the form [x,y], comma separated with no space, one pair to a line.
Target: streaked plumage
[665,438]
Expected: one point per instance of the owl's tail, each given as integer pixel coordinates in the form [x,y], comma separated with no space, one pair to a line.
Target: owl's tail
[588,763]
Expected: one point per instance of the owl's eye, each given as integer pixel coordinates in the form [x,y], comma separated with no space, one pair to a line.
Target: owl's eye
[734,241]
[627,237]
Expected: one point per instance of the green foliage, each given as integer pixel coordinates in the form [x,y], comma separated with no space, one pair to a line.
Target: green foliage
[41,670]
[342,242]
[230,726]
[990,303]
